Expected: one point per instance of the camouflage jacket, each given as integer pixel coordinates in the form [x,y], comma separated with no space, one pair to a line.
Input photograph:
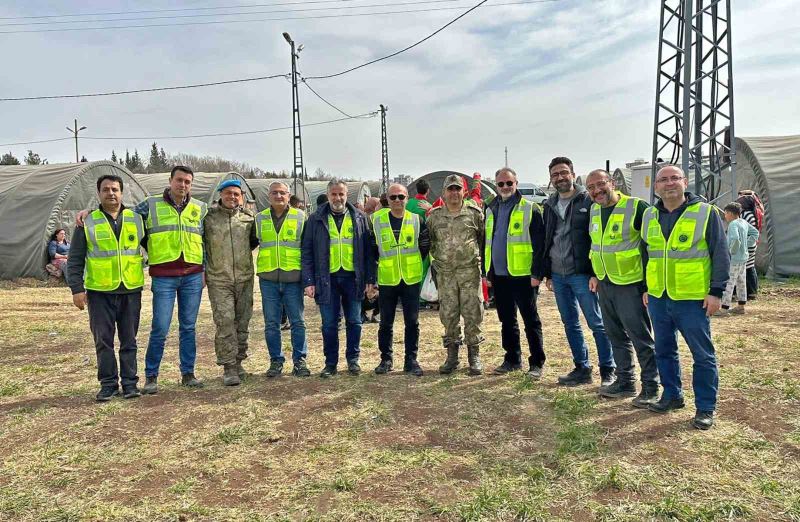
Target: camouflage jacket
[456,239]
[229,237]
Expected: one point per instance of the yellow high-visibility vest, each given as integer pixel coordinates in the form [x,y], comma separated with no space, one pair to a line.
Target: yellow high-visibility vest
[398,258]
[680,264]
[519,247]
[110,262]
[615,250]
[341,244]
[279,249]
[171,234]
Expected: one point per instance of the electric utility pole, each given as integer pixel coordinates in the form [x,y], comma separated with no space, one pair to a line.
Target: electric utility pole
[75,132]
[384,153]
[298,176]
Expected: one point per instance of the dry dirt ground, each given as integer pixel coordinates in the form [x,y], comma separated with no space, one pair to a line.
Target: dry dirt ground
[388,447]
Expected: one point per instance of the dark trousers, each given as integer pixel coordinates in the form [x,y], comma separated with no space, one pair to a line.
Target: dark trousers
[752,282]
[628,327]
[510,294]
[343,299]
[388,296]
[110,314]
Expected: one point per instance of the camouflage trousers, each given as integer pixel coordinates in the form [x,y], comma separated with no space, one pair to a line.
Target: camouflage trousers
[460,295]
[232,308]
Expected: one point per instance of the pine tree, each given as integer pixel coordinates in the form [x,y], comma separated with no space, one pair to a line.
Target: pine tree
[9,159]
[154,164]
[114,156]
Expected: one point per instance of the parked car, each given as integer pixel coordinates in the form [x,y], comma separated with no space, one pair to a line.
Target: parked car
[533,193]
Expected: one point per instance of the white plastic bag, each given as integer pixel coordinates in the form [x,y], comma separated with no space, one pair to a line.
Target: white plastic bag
[429,292]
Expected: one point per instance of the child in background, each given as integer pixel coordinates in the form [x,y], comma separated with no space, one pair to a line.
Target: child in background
[741,234]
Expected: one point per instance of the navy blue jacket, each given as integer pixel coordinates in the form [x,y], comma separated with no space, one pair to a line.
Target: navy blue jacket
[316,253]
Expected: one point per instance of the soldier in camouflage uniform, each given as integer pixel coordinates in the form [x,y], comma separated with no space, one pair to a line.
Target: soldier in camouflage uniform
[457,232]
[229,236]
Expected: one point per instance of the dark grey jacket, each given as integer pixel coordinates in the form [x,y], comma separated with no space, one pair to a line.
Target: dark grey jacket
[578,216]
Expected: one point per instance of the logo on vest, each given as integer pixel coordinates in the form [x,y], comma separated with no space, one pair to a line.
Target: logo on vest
[131,237]
[349,230]
[290,232]
[517,225]
[408,239]
[683,238]
[195,213]
[615,228]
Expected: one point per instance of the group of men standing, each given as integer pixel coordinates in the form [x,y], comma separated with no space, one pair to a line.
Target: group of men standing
[638,274]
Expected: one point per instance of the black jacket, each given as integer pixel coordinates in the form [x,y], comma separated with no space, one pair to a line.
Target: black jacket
[536,231]
[578,215]
[316,253]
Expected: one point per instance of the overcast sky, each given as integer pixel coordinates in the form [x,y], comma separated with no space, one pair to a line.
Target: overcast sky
[569,77]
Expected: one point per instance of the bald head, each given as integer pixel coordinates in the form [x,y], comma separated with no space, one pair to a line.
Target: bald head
[397,195]
[670,186]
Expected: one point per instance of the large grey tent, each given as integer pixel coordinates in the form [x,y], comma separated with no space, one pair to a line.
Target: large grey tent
[770,166]
[622,180]
[35,200]
[356,190]
[260,188]
[436,180]
[204,185]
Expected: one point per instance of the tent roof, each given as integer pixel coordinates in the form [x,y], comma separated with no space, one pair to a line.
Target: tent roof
[35,200]
[204,185]
[770,166]
[622,180]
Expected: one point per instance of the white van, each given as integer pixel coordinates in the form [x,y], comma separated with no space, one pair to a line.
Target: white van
[533,193]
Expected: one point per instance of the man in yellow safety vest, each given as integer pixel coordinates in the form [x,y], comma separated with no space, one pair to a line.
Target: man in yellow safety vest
[401,243]
[615,224]
[279,229]
[106,273]
[687,270]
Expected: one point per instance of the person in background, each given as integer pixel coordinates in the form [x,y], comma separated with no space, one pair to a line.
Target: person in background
[753,213]
[106,273]
[58,251]
[370,302]
[420,206]
[741,235]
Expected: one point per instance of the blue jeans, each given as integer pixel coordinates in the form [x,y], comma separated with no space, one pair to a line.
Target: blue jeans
[276,297]
[571,292]
[189,290]
[688,318]
[342,298]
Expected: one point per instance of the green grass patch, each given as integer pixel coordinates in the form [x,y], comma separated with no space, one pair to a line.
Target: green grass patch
[11,389]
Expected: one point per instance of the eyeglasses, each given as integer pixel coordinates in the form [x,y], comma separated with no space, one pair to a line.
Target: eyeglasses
[278,193]
[502,184]
[671,179]
[560,173]
[455,188]
[394,197]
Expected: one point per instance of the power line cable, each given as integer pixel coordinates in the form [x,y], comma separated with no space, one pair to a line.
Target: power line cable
[274,11]
[34,142]
[313,17]
[318,95]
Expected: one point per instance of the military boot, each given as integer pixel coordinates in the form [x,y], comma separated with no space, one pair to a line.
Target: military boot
[474,357]
[230,377]
[451,364]
[240,370]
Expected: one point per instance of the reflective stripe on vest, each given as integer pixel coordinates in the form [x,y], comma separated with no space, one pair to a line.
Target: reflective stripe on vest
[519,248]
[279,250]
[397,259]
[341,248]
[171,234]
[615,250]
[679,264]
[109,261]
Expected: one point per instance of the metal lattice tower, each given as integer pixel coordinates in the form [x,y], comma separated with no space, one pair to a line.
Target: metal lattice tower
[298,172]
[384,152]
[694,95]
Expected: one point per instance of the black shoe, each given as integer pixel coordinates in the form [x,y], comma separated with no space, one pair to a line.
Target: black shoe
[190,381]
[618,390]
[666,404]
[328,371]
[607,377]
[275,369]
[384,367]
[535,373]
[507,367]
[645,398]
[131,392]
[353,367]
[413,368]
[150,385]
[577,377]
[301,369]
[703,420]
[107,393]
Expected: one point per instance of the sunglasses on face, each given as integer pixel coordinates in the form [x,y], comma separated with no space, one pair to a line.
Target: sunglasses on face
[502,184]
[394,197]
[455,188]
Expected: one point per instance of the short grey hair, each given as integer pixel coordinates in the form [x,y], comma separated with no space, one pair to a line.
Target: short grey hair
[334,182]
[506,169]
[278,182]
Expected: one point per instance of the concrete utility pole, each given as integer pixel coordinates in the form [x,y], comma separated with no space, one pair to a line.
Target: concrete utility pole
[298,172]
[75,132]
[384,153]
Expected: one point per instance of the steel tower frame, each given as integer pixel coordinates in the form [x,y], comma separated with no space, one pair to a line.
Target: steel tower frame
[298,172]
[694,117]
[384,152]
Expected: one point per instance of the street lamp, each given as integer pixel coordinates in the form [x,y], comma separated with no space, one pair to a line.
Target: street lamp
[75,132]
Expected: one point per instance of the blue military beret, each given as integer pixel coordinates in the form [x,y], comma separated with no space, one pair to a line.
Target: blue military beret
[229,183]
